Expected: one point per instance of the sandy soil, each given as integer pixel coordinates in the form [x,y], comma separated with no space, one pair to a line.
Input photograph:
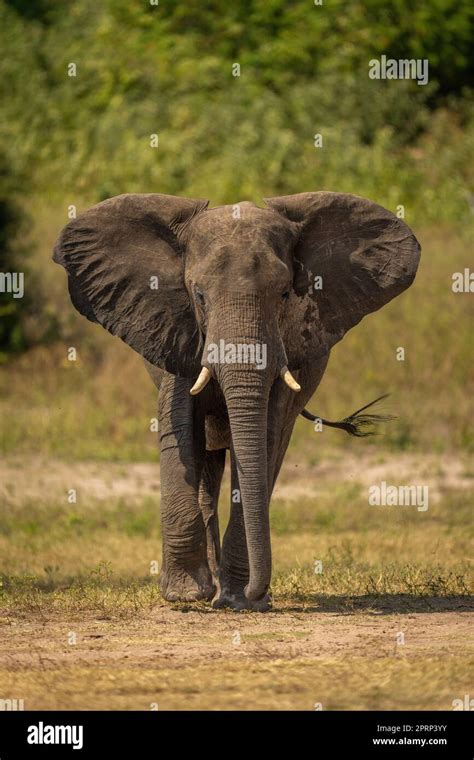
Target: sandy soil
[134,481]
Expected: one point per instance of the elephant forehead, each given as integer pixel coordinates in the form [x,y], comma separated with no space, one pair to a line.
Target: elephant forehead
[243,223]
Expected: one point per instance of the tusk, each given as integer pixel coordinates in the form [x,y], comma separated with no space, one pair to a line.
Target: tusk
[201,382]
[288,378]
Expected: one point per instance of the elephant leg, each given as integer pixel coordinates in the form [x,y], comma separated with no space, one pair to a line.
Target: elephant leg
[185,573]
[234,565]
[209,487]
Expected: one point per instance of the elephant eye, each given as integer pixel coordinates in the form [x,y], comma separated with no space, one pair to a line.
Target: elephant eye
[199,295]
[286,295]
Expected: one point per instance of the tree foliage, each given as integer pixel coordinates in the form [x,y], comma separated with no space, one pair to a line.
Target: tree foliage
[167,70]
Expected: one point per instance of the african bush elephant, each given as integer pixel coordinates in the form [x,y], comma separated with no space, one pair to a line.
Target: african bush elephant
[235,310]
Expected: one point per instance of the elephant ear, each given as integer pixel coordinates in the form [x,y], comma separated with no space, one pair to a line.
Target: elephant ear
[124,263]
[352,257]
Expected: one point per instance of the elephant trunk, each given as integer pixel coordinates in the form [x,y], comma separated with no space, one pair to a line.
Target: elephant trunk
[246,395]
[244,321]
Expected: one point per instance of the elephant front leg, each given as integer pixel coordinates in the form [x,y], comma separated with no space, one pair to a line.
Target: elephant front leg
[234,565]
[185,574]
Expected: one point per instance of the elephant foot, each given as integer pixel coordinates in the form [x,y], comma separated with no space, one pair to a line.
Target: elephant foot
[238,601]
[182,586]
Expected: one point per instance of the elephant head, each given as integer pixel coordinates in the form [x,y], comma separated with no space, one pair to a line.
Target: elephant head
[240,293]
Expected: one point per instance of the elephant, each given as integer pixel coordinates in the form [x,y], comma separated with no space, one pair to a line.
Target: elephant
[235,309]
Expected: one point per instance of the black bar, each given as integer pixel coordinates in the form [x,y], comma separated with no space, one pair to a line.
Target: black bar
[122,734]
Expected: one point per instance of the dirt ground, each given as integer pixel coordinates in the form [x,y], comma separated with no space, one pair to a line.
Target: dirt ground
[291,658]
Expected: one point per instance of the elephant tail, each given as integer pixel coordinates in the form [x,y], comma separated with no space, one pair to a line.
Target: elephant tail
[357,424]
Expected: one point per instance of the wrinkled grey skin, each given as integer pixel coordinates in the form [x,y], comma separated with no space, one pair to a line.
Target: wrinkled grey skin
[241,274]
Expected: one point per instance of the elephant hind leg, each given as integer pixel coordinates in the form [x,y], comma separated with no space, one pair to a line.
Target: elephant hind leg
[209,488]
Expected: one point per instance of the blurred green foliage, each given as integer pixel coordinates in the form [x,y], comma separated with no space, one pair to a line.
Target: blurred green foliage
[167,69]
[12,219]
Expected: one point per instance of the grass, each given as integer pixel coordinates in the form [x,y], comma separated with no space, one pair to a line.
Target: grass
[276,685]
[105,553]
